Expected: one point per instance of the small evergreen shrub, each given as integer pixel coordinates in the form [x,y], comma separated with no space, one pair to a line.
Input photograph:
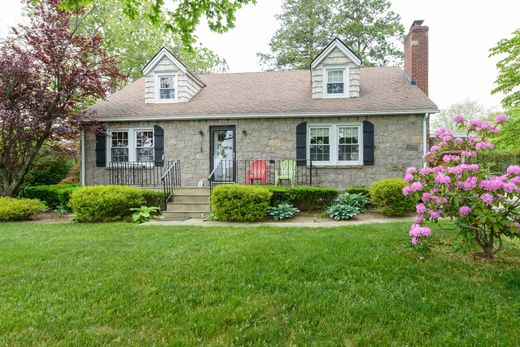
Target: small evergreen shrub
[105,203]
[55,196]
[357,200]
[341,211]
[153,198]
[283,211]
[237,203]
[388,194]
[305,198]
[358,190]
[12,209]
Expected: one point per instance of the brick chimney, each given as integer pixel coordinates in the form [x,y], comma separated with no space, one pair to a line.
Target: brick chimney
[416,55]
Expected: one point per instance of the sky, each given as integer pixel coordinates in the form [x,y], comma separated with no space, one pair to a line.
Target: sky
[461,34]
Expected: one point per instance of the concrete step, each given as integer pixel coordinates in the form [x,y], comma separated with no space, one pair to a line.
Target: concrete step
[200,198]
[201,207]
[192,190]
[184,215]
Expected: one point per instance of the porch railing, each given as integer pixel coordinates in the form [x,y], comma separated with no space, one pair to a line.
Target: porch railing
[146,175]
[171,179]
[261,172]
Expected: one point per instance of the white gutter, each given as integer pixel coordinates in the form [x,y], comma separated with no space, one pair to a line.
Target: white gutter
[425,134]
[266,115]
[82,158]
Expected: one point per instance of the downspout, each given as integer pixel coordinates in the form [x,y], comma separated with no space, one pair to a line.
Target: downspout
[426,120]
[82,157]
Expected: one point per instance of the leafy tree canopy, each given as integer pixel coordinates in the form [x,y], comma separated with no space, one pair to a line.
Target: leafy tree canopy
[370,28]
[133,42]
[469,108]
[509,137]
[508,81]
[180,17]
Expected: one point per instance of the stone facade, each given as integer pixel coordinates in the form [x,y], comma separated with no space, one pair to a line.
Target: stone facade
[335,58]
[398,144]
[186,86]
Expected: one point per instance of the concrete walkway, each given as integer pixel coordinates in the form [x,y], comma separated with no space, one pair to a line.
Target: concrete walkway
[290,224]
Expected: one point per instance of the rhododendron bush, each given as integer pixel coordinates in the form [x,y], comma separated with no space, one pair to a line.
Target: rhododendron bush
[484,205]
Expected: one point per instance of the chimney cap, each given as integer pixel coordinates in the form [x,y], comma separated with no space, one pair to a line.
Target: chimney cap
[417,22]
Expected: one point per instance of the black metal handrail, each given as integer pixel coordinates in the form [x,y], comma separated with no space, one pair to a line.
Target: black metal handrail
[171,179]
[141,174]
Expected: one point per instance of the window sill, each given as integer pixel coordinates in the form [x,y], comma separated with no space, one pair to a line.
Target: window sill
[338,166]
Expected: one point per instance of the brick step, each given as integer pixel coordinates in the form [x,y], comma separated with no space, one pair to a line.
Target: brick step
[201,207]
[200,198]
[169,215]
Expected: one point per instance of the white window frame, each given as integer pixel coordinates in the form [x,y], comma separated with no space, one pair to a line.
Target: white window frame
[334,143]
[158,87]
[346,79]
[132,144]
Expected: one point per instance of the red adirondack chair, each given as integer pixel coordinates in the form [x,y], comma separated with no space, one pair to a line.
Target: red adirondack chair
[257,171]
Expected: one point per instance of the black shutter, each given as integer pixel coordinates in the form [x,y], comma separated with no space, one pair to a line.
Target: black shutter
[101,149]
[158,133]
[301,144]
[368,143]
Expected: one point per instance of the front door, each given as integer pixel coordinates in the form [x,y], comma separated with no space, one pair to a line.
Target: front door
[222,153]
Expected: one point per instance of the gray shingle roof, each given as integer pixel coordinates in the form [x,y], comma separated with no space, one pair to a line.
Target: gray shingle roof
[383,90]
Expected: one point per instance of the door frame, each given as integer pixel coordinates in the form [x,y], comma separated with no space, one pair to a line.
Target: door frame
[214,128]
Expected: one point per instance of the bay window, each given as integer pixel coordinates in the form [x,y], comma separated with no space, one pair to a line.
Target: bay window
[131,145]
[335,144]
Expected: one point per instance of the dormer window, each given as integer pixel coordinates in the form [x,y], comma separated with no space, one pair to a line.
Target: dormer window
[335,80]
[166,90]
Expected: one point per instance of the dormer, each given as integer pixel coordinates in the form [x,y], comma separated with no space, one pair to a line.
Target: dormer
[335,72]
[167,80]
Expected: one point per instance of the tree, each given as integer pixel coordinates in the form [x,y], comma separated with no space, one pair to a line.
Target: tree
[468,107]
[46,72]
[509,137]
[508,81]
[180,17]
[134,41]
[369,28]
[452,184]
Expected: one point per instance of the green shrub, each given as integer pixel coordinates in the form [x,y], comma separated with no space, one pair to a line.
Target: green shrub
[305,198]
[388,194]
[153,198]
[282,211]
[237,203]
[105,203]
[341,211]
[359,201]
[12,209]
[48,169]
[55,196]
[498,161]
[358,190]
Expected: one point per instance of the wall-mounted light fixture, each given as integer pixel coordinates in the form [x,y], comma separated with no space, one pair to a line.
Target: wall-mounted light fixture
[244,132]
[201,133]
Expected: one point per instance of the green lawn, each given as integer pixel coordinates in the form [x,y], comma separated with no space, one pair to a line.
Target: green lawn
[121,284]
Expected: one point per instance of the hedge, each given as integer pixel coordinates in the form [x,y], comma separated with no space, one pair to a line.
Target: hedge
[12,209]
[105,203]
[305,198]
[54,196]
[498,161]
[237,203]
[358,190]
[388,195]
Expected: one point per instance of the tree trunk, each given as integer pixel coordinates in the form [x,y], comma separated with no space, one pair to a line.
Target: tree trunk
[488,246]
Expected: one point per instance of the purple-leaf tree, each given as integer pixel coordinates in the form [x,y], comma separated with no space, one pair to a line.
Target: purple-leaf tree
[485,206]
[47,74]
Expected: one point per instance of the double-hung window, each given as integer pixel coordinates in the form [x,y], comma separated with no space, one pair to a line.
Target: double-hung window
[335,144]
[166,88]
[131,145]
[335,81]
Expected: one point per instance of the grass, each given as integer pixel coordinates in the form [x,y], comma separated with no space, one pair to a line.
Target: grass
[121,284]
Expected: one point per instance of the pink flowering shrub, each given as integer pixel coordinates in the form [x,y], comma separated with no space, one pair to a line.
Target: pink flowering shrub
[485,207]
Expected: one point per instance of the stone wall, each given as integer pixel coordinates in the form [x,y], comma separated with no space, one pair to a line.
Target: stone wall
[398,144]
[335,57]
